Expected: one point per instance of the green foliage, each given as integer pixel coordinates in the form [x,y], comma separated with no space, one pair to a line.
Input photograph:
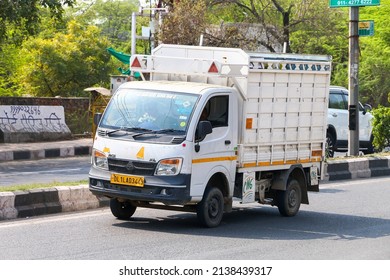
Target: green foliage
[79,122]
[19,18]
[65,64]
[9,61]
[381,127]
[112,17]
[374,74]
[59,61]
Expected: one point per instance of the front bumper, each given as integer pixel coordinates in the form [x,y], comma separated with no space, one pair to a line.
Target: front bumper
[170,190]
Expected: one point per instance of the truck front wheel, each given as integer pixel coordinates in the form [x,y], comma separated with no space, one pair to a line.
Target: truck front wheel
[289,201]
[122,210]
[210,209]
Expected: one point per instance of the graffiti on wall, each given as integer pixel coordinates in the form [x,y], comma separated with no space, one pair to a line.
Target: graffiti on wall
[32,119]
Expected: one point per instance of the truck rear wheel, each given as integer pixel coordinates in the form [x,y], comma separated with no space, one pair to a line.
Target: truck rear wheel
[210,209]
[122,210]
[289,200]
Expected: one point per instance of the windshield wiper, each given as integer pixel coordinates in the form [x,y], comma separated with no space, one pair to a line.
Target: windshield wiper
[116,130]
[160,131]
[128,129]
[139,129]
[166,130]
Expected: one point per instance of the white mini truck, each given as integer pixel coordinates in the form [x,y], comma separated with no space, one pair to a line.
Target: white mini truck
[211,126]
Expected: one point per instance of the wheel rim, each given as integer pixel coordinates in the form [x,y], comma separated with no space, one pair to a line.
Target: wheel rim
[214,207]
[292,198]
[329,147]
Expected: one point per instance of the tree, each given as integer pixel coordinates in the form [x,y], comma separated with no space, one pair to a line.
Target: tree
[20,17]
[374,68]
[112,17]
[66,63]
[9,62]
[381,127]
[184,23]
[279,19]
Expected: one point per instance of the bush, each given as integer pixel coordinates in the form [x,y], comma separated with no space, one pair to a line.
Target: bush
[381,127]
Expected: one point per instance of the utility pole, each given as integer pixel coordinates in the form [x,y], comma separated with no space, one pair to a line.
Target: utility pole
[353,85]
[353,68]
[134,36]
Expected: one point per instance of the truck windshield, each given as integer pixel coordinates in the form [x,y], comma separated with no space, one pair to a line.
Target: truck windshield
[149,111]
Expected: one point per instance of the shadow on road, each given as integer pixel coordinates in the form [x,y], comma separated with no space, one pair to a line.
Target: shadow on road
[265,223]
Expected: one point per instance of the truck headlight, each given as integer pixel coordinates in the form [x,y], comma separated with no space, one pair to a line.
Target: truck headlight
[169,167]
[99,159]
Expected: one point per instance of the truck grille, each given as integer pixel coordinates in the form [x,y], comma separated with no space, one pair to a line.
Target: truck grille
[131,167]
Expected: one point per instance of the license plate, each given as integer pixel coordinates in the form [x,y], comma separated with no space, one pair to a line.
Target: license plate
[120,179]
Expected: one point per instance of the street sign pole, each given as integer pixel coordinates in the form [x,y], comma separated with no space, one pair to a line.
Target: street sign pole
[353,99]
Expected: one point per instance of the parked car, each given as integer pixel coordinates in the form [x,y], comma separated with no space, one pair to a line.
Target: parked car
[337,133]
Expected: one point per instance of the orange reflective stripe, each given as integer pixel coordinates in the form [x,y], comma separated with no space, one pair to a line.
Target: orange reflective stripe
[203,160]
[279,162]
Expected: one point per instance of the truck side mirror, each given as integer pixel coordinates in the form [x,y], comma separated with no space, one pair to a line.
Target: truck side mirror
[96,118]
[204,128]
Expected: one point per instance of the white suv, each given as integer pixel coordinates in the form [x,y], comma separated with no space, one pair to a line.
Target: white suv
[337,133]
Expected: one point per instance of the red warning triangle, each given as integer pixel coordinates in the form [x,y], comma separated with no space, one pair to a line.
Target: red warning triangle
[213,68]
[136,63]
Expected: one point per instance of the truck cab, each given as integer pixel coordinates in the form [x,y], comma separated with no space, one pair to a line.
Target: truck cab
[151,144]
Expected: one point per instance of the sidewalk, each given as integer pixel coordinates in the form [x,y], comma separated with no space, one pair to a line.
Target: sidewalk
[40,150]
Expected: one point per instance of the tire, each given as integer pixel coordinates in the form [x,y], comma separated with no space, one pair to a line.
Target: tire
[330,145]
[289,201]
[210,209]
[370,148]
[122,210]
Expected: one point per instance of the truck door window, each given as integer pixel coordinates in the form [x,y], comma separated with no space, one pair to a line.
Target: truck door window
[218,111]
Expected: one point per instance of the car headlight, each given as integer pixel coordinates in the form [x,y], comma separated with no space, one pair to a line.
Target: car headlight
[99,159]
[169,167]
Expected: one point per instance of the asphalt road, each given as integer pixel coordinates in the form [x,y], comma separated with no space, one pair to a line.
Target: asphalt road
[44,171]
[346,220]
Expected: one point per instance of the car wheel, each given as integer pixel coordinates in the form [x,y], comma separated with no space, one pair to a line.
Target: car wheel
[370,148]
[330,145]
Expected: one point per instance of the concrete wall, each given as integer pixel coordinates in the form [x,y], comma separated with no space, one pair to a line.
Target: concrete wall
[25,123]
[77,113]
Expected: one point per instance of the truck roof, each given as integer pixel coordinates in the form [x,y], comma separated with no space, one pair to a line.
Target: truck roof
[174,86]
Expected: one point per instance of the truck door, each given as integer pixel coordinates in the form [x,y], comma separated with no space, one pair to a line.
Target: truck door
[216,152]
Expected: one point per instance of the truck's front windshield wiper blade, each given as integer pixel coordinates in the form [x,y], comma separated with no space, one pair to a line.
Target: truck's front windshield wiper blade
[160,131]
[166,130]
[139,129]
[116,130]
[128,129]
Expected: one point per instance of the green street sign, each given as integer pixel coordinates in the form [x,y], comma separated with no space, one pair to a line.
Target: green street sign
[366,28]
[352,3]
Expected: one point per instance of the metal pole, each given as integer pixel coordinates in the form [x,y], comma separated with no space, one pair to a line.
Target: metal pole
[152,31]
[353,85]
[133,32]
